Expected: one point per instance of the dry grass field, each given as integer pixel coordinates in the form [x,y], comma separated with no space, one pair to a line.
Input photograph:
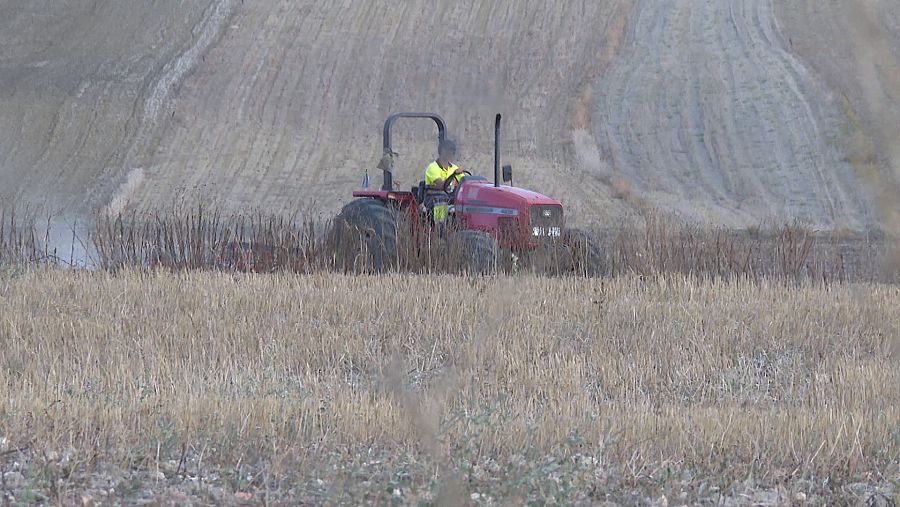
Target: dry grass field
[202,387]
[736,161]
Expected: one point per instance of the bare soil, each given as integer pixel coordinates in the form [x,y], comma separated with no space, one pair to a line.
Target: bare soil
[722,112]
[711,115]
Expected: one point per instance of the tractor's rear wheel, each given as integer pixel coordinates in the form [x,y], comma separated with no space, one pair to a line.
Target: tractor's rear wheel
[364,236]
[476,251]
[585,253]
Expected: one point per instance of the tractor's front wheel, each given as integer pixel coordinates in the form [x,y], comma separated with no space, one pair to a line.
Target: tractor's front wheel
[364,236]
[476,251]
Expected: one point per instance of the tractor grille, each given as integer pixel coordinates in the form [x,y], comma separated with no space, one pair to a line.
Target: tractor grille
[545,221]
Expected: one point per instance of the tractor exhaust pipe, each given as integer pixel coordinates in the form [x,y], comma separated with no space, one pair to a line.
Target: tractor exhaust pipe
[497,151]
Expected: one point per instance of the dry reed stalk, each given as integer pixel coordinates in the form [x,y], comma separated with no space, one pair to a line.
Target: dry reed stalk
[203,239]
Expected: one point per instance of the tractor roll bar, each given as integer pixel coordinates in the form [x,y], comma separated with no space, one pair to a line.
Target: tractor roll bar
[442,134]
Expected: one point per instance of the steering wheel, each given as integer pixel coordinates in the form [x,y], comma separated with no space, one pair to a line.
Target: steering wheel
[452,180]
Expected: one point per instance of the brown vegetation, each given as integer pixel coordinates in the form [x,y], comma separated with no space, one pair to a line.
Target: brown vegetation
[345,388]
[20,241]
[203,238]
[705,365]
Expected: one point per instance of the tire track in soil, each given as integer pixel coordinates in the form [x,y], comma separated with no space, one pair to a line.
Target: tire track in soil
[861,62]
[708,112]
[75,79]
[287,110]
[172,74]
[710,116]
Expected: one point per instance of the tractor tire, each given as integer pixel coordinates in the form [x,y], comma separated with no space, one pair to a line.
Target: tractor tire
[553,259]
[364,237]
[476,251]
[586,256]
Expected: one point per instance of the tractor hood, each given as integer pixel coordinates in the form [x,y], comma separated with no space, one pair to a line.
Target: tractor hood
[484,192]
[517,217]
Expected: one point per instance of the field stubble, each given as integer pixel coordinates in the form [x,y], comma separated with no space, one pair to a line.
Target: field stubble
[325,387]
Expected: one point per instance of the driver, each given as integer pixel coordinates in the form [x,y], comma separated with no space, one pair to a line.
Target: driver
[443,168]
[436,175]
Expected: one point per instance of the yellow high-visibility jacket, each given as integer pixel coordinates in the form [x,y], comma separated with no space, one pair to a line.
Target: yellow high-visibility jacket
[435,172]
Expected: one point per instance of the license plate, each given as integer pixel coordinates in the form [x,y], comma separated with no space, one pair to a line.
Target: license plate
[545,232]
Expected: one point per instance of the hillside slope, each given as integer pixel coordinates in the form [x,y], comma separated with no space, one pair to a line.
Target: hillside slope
[711,115]
[299,118]
[721,111]
[861,63]
[81,84]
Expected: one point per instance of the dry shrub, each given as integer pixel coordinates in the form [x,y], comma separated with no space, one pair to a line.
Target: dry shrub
[204,239]
[15,241]
[622,188]
[891,263]
[20,242]
[788,251]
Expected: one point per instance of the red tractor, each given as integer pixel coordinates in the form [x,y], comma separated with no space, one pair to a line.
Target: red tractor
[488,224]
